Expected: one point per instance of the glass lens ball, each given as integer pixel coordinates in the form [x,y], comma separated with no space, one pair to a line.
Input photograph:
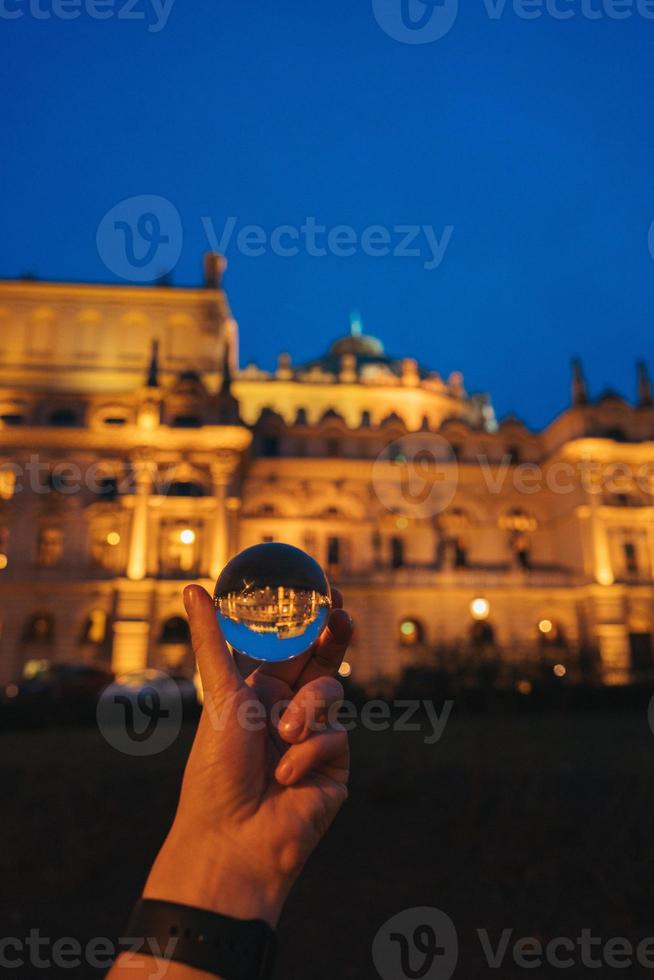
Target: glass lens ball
[272,601]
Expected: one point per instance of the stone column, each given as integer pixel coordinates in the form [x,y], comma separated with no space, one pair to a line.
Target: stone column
[233,505]
[137,562]
[613,640]
[130,646]
[222,468]
[601,554]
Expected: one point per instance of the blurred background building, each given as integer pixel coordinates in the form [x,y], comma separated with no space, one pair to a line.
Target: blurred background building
[136,454]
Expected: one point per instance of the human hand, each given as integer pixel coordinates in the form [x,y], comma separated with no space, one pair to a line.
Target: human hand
[258,794]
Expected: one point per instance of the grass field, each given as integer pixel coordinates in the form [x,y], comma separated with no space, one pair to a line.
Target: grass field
[539,823]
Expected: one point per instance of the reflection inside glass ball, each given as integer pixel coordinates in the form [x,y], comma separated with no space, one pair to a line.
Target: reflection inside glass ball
[272,601]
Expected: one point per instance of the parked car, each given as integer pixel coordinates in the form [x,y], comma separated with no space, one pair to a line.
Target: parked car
[55,694]
[169,690]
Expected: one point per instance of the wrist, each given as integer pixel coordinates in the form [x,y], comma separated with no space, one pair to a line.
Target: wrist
[193,873]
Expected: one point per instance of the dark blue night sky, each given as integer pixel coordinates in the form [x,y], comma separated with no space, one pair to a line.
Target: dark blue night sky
[533,139]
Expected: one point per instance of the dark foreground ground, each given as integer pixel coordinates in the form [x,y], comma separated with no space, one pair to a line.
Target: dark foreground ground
[541,824]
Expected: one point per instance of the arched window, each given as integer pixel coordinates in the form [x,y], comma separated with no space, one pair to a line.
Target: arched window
[175,630]
[95,627]
[39,628]
[482,634]
[411,632]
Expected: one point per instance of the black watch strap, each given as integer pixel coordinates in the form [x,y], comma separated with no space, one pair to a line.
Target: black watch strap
[233,949]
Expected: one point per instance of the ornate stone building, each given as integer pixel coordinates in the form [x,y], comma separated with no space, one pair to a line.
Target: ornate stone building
[135,454]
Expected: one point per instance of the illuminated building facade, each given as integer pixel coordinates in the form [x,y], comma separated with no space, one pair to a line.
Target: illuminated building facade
[136,454]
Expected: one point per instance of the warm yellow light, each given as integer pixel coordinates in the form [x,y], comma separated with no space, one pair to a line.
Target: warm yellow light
[187,536]
[604,577]
[479,608]
[545,626]
[524,687]
[113,538]
[345,669]
[401,523]
[559,670]
[408,628]
[4,561]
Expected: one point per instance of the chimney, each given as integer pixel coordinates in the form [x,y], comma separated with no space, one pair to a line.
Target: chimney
[645,399]
[214,267]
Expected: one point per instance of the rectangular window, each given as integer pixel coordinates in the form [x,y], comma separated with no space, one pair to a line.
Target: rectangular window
[630,557]
[270,446]
[333,551]
[397,552]
[50,546]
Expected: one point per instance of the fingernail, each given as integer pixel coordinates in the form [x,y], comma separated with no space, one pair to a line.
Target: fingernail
[191,596]
[291,723]
[284,771]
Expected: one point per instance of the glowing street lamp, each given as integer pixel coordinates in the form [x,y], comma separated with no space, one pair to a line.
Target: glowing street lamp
[479,608]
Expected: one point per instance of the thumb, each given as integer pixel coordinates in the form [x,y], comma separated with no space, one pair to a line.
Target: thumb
[216,665]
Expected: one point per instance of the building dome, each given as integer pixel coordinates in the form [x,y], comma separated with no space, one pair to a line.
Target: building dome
[361,345]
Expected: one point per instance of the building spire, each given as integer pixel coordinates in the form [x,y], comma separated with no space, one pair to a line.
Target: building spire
[153,370]
[579,389]
[645,398]
[356,326]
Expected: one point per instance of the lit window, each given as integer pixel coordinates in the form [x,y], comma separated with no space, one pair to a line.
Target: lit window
[179,549]
[95,628]
[7,483]
[50,546]
[411,632]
